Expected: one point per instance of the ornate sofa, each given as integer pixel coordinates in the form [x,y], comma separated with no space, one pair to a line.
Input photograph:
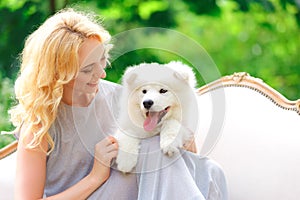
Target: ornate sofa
[249,128]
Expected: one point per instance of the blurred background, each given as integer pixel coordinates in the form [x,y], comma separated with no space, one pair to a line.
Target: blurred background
[261,37]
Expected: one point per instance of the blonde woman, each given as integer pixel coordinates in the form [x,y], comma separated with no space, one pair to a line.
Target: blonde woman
[65,118]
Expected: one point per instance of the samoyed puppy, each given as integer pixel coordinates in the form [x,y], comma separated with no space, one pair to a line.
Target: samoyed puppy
[156,99]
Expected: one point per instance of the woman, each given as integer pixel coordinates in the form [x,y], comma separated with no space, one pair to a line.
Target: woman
[65,117]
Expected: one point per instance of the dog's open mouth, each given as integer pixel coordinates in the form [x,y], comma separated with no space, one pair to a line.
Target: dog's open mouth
[153,118]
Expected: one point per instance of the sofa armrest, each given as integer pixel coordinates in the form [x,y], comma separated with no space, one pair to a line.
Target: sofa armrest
[9,149]
[7,171]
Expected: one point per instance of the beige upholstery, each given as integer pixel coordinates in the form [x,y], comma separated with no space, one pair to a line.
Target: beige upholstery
[258,144]
[250,129]
[7,176]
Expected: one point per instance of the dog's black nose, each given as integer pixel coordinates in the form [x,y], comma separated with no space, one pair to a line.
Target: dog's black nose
[148,103]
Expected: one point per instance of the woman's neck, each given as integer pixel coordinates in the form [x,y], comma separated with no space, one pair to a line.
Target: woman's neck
[78,99]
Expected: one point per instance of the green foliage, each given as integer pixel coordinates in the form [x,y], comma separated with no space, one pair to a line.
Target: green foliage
[203,6]
[262,40]
[17,21]
[6,139]
[266,45]
[6,101]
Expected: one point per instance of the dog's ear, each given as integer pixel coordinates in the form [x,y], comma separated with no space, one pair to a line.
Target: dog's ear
[131,78]
[182,76]
[183,73]
[187,77]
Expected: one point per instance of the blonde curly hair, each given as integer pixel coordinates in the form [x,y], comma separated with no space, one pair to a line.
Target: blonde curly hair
[48,61]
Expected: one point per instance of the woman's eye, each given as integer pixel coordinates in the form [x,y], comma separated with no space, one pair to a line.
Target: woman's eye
[144,91]
[163,91]
[87,69]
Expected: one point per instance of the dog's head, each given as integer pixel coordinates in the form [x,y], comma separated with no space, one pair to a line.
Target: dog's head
[157,92]
[155,102]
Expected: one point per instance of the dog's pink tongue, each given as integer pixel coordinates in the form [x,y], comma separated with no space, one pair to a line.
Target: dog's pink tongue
[151,121]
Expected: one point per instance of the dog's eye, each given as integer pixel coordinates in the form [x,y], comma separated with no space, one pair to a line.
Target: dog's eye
[163,91]
[144,91]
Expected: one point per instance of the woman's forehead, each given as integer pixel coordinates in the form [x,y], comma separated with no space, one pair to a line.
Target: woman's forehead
[91,50]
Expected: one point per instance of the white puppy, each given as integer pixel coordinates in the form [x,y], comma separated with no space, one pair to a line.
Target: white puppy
[156,99]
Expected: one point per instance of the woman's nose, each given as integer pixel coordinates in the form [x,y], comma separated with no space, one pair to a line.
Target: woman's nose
[103,74]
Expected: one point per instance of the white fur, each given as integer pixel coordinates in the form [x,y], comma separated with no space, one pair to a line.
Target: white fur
[175,128]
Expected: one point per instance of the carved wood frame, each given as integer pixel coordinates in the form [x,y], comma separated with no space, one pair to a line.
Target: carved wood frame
[243,79]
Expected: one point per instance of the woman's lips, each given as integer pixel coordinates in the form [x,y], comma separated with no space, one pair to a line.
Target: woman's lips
[93,84]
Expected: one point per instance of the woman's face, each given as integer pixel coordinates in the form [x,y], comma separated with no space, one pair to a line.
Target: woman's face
[92,63]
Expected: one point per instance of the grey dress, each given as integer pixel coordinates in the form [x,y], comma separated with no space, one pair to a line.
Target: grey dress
[76,132]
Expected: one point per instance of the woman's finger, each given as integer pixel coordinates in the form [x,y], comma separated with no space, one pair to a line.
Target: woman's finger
[112,147]
[112,139]
[112,154]
[109,140]
[191,146]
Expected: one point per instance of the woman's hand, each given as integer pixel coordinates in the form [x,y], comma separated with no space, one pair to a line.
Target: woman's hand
[105,151]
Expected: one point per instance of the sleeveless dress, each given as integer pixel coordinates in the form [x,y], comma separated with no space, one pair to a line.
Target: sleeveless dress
[77,130]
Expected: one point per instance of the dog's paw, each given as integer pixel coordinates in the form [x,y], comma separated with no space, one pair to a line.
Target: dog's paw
[170,150]
[126,161]
[169,146]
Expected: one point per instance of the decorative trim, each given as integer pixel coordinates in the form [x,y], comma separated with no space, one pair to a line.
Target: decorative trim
[9,149]
[298,105]
[243,79]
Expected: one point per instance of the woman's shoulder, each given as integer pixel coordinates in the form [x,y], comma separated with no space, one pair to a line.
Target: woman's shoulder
[106,83]
[108,95]
[108,86]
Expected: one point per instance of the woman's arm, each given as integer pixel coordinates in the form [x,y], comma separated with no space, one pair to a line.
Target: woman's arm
[31,172]
[105,151]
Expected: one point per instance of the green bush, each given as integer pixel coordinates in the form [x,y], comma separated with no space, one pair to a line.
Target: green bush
[6,101]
